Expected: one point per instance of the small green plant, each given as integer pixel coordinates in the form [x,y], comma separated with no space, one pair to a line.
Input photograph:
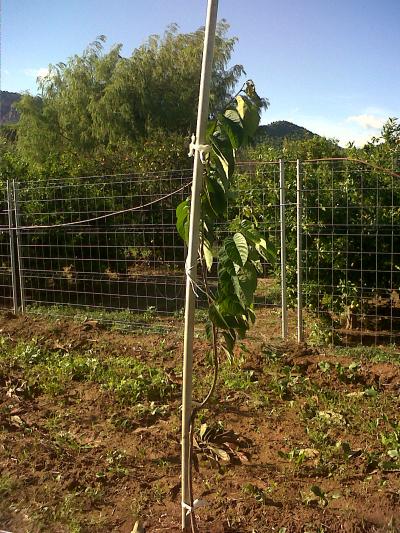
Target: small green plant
[391,441]
[260,495]
[349,373]
[288,383]
[7,484]
[298,456]
[315,496]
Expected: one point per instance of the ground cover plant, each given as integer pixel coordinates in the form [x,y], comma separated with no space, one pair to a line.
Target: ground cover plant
[296,440]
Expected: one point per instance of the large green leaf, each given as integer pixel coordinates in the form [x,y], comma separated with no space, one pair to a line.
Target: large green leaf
[233,129]
[248,282]
[208,255]
[237,249]
[231,306]
[267,250]
[216,317]
[249,114]
[182,219]
[216,196]
[230,339]
[241,245]
[224,152]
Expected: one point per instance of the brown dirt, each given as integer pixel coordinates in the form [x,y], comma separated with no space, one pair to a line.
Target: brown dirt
[108,464]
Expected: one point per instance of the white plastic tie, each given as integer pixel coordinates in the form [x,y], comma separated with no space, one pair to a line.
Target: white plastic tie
[196,504]
[188,272]
[203,149]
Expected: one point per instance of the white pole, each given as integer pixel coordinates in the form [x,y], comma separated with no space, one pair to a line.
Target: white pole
[12,246]
[192,256]
[283,247]
[19,247]
[299,253]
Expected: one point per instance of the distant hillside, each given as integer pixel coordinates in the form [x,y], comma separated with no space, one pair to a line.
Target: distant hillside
[8,114]
[277,131]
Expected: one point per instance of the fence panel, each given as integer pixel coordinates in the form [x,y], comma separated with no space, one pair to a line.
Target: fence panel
[109,244]
[351,257]
[82,245]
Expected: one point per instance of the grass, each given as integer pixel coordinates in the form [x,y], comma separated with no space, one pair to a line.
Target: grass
[51,372]
[375,354]
[124,320]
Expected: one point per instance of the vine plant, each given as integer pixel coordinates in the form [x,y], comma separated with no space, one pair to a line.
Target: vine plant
[239,256]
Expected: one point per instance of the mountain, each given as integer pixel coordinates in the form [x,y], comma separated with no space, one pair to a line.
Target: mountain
[8,114]
[276,132]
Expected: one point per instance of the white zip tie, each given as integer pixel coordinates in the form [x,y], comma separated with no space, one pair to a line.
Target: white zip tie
[203,149]
[196,504]
[193,283]
[188,272]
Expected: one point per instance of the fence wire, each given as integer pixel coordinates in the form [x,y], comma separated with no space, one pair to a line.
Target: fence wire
[351,255]
[108,245]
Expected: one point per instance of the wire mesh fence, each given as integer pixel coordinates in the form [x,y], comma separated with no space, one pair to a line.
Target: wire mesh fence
[109,245]
[351,257]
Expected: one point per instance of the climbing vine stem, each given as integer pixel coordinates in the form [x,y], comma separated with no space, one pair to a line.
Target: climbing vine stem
[237,257]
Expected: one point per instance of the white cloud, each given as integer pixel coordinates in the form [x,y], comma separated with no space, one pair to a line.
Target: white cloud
[36,72]
[367,121]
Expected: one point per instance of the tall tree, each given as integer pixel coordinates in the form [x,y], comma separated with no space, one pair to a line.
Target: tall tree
[102,99]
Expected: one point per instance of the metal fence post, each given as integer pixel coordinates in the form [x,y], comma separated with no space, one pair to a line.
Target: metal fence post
[11,231]
[300,332]
[283,247]
[18,246]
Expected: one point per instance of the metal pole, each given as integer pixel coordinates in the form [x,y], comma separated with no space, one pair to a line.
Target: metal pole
[300,336]
[12,247]
[18,247]
[283,247]
[191,264]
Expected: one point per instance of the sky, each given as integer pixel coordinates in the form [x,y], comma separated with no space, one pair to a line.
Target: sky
[331,66]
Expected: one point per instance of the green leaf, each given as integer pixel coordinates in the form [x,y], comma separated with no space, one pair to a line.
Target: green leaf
[216,196]
[248,282]
[216,317]
[249,115]
[224,152]
[234,130]
[241,245]
[231,306]
[208,255]
[233,115]
[182,219]
[230,339]
[267,251]
[236,249]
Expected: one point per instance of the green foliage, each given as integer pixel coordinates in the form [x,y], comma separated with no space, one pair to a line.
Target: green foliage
[239,256]
[100,103]
[51,371]
[347,208]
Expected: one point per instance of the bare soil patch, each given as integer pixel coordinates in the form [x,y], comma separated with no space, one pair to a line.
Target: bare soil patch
[295,440]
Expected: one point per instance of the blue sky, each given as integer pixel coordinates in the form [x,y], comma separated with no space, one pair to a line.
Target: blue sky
[329,65]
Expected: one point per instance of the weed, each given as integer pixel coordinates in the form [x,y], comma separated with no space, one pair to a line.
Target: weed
[391,441]
[260,495]
[7,484]
[349,373]
[289,383]
[298,456]
[315,496]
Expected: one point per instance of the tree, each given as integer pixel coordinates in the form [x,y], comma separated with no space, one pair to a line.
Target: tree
[100,100]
